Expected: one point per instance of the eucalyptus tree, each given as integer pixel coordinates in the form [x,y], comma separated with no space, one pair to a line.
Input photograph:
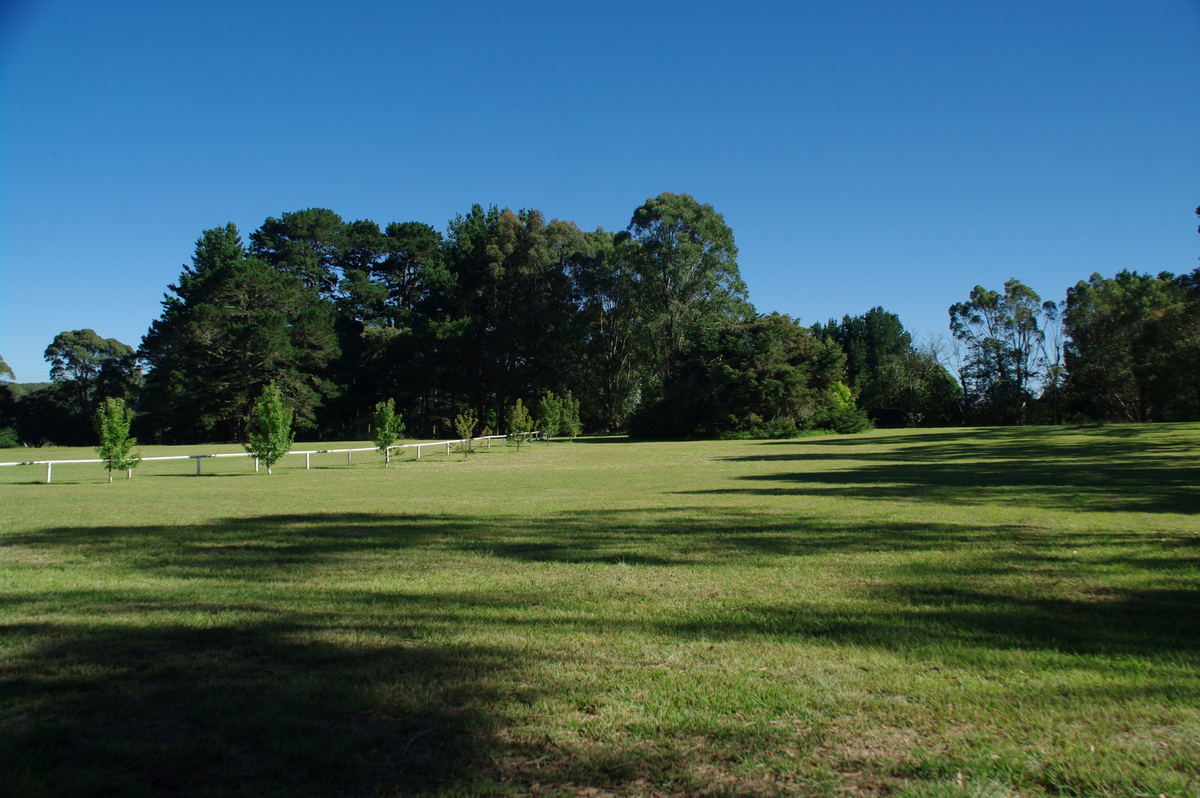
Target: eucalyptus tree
[77,359]
[688,282]
[1003,335]
[611,368]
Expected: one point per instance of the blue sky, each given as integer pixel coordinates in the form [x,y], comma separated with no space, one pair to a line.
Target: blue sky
[893,154]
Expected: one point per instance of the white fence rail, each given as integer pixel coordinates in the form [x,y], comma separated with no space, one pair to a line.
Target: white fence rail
[308,453]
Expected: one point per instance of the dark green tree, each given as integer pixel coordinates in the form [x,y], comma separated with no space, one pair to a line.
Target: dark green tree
[611,367]
[77,359]
[688,283]
[308,244]
[1128,345]
[231,326]
[765,378]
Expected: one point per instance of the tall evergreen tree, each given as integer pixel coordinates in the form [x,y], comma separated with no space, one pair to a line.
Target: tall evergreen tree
[229,327]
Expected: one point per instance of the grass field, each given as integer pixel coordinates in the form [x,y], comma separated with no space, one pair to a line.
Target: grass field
[986,612]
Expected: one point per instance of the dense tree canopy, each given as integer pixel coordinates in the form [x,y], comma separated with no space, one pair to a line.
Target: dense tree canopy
[648,330]
[231,326]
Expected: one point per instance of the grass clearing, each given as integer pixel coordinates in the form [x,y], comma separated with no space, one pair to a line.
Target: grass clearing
[986,612]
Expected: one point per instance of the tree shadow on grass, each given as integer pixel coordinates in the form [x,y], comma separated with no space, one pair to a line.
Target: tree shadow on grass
[269,547]
[954,620]
[1113,470]
[267,708]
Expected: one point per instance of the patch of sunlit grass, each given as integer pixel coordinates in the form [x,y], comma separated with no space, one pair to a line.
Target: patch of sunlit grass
[925,613]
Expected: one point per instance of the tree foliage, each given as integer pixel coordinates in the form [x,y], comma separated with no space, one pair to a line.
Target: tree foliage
[649,330]
[767,377]
[1131,351]
[520,424]
[229,327]
[79,358]
[112,425]
[270,429]
[464,425]
[549,415]
[1004,339]
[569,422]
[686,275]
[387,428]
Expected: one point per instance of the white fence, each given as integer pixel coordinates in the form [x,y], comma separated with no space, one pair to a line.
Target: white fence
[308,453]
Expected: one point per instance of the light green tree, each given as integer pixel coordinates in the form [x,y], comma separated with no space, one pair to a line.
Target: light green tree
[388,427]
[465,424]
[270,427]
[112,424]
[569,424]
[519,424]
[549,416]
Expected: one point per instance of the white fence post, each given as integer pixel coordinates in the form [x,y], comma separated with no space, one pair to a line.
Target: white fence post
[255,465]
[307,461]
[349,454]
[197,466]
[418,451]
[49,468]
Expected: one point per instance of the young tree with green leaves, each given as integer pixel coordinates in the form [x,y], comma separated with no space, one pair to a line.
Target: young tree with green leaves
[112,424]
[569,424]
[270,427]
[464,424]
[520,424]
[549,415]
[388,426]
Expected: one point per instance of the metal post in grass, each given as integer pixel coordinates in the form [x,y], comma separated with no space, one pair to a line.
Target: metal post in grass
[307,461]
[197,465]
[49,469]
[349,454]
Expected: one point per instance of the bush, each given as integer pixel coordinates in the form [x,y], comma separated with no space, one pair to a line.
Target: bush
[840,414]
[8,438]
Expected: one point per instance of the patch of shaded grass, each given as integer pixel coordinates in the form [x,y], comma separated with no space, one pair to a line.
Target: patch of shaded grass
[890,615]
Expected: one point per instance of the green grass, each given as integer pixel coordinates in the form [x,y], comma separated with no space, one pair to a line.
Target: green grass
[988,612]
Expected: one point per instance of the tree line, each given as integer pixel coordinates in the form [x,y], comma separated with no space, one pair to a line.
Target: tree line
[650,330]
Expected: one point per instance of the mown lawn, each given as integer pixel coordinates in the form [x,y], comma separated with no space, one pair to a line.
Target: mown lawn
[985,612]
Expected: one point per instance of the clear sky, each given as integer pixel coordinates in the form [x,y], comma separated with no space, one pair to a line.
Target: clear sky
[894,153]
